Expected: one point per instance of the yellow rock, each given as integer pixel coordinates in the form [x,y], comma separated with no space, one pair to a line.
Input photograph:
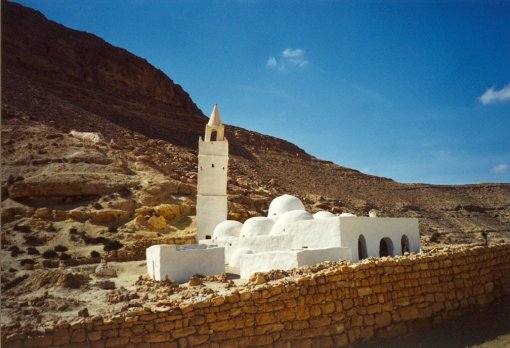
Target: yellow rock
[59,214]
[157,222]
[168,211]
[140,220]
[144,211]
[77,215]
[42,213]
[109,216]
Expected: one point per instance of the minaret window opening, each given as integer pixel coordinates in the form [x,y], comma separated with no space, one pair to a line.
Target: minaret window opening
[214,135]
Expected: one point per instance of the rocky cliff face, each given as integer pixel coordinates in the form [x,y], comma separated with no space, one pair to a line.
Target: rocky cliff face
[55,79]
[49,50]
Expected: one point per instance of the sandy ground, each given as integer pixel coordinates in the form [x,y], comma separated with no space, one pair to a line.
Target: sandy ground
[42,297]
[488,327]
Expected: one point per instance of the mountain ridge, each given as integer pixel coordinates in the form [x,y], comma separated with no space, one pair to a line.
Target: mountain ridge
[66,79]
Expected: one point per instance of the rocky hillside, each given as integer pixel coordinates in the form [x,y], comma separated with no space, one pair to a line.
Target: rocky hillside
[135,179]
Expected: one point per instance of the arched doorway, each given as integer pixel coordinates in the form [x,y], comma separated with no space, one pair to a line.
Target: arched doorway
[404,243]
[385,247]
[362,248]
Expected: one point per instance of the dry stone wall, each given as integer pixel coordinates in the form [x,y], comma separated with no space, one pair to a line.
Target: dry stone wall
[329,306]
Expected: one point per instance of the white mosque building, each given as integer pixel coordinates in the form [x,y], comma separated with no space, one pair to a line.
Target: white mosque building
[288,237]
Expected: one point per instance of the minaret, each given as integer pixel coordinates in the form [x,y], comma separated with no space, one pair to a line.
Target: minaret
[212,177]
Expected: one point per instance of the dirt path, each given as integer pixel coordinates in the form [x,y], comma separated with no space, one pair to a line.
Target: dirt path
[483,328]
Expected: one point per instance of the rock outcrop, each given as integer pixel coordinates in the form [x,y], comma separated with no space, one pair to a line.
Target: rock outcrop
[49,49]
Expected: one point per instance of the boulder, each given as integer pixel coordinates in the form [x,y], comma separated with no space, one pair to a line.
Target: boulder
[157,222]
[109,216]
[168,211]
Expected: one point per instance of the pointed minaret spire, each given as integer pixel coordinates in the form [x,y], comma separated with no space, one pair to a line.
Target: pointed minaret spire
[214,130]
[215,119]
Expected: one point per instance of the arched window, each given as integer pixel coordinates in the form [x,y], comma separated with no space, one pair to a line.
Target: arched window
[214,135]
[404,243]
[362,248]
[385,247]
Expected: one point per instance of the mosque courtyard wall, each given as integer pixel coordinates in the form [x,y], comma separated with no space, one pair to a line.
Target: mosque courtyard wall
[329,305]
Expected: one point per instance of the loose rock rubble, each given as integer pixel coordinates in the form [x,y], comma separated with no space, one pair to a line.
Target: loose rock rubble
[104,270]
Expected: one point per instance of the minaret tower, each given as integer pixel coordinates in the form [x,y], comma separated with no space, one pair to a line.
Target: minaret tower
[212,177]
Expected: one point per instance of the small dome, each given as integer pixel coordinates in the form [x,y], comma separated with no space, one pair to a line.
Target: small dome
[227,228]
[284,204]
[289,217]
[323,215]
[257,226]
[236,255]
[347,215]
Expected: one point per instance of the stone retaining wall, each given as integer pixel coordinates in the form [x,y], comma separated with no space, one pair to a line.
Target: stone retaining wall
[338,305]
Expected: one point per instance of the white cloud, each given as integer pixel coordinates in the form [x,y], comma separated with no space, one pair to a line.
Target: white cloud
[492,96]
[290,53]
[288,58]
[271,62]
[500,168]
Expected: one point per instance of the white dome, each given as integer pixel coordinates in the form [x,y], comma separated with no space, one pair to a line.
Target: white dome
[289,217]
[284,204]
[347,215]
[323,215]
[257,226]
[227,228]
[234,258]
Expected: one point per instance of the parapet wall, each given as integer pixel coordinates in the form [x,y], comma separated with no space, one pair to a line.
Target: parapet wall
[325,306]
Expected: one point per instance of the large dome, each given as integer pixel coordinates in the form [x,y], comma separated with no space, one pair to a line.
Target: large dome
[283,204]
[257,226]
[285,219]
[227,228]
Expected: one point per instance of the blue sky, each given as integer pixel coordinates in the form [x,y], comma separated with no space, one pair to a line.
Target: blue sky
[417,91]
